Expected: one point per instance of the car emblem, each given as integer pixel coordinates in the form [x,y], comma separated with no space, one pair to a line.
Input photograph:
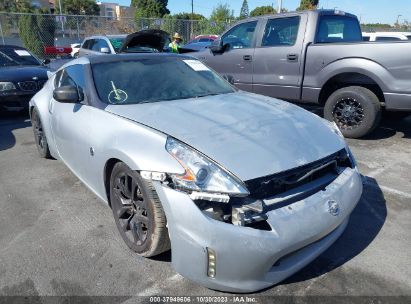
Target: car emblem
[35,78]
[333,208]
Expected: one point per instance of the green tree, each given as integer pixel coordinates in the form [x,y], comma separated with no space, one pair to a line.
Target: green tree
[29,33]
[244,12]
[222,12]
[188,16]
[150,8]
[19,6]
[80,7]
[308,5]
[263,10]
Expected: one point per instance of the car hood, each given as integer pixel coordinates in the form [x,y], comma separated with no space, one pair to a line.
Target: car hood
[23,73]
[156,39]
[248,134]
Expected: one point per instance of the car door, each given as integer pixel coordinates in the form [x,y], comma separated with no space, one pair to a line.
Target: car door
[71,123]
[278,57]
[85,47]
[237,58]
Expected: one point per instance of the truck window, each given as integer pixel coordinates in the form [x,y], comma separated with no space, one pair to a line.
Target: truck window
[281,31]
[387,38]
[335,28]
[240,36]
[366,38]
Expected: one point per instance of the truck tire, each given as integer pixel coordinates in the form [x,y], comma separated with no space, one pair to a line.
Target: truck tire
[355,110]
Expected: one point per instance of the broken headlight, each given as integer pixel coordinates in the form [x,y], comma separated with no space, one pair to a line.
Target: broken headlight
[201,173]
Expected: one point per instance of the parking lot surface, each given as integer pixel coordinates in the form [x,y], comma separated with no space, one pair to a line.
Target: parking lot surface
[58,238]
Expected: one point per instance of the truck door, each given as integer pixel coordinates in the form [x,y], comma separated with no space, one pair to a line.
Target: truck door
[237,58]
[278,57]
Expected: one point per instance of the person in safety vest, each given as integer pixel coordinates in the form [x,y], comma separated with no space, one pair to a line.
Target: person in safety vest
[175,45]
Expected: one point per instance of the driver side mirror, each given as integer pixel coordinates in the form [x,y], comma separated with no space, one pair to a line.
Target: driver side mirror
[46,61]
[105,50]
[229,78]
[68,94]
[218,47]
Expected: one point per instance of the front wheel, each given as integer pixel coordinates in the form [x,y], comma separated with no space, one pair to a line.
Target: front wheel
[138,212]
[39,135]
[356,111]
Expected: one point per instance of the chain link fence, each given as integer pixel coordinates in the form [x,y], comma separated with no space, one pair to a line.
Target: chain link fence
[36,31]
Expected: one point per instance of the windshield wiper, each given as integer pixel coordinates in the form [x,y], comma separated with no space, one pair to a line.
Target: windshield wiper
[205,95]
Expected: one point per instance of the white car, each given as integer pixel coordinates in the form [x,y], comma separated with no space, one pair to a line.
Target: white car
[100,45]
[386,36]
[75,48]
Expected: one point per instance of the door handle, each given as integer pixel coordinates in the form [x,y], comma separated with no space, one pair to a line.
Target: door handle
[292,57]
[248,57]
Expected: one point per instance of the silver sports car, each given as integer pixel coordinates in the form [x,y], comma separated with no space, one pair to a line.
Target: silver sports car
[245,189]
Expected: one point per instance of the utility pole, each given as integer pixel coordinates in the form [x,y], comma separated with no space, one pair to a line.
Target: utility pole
[398,20]
[192,8]
[61,18]
[280,6]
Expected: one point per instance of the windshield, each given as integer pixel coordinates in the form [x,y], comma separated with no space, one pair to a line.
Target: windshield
[156,79]
[116,43]
[13,57]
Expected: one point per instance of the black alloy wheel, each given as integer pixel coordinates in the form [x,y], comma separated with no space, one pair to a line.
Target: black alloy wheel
[39,135]
[137,212]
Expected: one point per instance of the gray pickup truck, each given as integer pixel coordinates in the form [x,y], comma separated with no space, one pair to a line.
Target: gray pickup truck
[317,57]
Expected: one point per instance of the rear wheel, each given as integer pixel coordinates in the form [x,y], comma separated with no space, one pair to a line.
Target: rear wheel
[137,212]
[356,111]
[39,135]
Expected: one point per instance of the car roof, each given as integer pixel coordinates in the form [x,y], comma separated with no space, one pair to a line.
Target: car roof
[10,46]
[106,36]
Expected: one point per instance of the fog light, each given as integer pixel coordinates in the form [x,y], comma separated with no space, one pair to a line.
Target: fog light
[211,263]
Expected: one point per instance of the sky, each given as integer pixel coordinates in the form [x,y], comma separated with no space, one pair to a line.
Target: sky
[369,11]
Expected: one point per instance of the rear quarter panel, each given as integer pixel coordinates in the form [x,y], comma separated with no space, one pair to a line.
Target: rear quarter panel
[387,63]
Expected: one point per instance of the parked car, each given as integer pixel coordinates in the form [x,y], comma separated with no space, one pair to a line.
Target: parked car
[75,48]
[197,46]
[146,41]
[100,45]
[386,36]
[21,76]
[204,38]
[247,189]
[317,57]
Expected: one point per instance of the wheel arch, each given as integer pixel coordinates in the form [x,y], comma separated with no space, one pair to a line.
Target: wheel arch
[348,79]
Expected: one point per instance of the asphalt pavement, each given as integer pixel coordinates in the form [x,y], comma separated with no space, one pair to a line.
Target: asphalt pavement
[58,239]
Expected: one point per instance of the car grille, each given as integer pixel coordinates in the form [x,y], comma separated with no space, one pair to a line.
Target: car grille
[31,86]
[28,86]
[270,186]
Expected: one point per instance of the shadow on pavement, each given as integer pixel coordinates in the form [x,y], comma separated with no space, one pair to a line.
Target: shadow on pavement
[10,121]
[365,223]
[391,124]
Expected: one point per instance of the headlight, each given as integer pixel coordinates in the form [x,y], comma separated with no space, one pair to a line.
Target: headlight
[7,86]
[201,173]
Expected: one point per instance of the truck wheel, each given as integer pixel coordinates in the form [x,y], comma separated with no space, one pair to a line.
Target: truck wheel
[356,111]
[138,212]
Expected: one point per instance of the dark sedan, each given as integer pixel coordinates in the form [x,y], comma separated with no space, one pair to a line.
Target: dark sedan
[21,76]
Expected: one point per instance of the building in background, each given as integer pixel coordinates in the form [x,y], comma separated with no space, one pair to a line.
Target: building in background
[115,11]
[45,4]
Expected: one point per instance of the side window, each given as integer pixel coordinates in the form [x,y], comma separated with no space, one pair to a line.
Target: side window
[335,28]
[365,38]
[241,36]
[99,44]
[87,44]
[73,75]
[281,31]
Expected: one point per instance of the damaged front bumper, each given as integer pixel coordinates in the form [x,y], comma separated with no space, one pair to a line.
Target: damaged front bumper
[248,259]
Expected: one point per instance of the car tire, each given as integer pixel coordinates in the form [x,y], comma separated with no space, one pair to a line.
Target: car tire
[356,111]
[39,135]
[138,212]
